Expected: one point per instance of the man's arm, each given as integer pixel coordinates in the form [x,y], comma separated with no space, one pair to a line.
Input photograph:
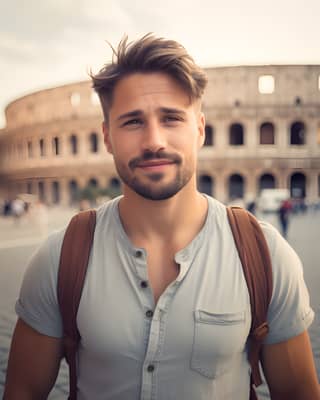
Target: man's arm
[289,369]
[33,364]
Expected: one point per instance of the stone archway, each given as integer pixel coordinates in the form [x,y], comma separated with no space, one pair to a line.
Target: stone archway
[267,133]
[297,133]
[298,184]
[73,192]
[236,186]
[266,181]
[206,184]
[236,135]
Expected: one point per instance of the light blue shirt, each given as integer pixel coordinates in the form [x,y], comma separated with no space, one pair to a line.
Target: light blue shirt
[192,344]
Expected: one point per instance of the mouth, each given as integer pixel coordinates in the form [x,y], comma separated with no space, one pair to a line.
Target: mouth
[153,165]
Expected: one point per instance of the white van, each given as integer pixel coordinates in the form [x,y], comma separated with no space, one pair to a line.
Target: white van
[270,200]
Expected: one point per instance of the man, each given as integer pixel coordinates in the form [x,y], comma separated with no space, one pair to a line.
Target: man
[165,311]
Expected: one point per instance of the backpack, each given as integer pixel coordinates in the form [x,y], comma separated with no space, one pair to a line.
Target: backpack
[255,259]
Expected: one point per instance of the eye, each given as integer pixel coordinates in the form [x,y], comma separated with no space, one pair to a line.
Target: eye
[132,122]
[171,119]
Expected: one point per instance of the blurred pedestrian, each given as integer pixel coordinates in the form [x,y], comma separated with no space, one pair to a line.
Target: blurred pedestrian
[284,215]
[17,209]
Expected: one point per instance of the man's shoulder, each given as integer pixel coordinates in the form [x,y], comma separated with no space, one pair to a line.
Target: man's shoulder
[108,211]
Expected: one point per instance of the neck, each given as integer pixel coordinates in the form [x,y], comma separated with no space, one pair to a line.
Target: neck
[164,220]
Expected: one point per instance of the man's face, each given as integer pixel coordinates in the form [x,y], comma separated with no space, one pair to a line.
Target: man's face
[154,133]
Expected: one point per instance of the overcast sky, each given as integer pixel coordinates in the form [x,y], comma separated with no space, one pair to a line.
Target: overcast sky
[44,43]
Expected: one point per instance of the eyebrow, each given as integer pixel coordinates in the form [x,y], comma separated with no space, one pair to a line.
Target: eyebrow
[130,114]
[139,113]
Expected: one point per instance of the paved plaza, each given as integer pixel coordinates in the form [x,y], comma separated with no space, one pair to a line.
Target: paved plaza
[19,240]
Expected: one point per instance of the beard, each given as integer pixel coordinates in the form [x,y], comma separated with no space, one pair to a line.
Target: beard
[150,186]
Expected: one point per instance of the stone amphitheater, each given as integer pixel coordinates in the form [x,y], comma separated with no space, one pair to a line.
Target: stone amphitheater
[262,131]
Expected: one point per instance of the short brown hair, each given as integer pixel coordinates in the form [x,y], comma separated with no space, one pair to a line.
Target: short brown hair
[146,55]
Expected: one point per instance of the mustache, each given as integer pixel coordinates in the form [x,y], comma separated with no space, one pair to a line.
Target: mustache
[150,155]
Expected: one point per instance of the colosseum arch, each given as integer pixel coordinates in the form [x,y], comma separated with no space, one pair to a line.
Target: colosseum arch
[93,182]
[206,184]
[42,191]
[236,186]
[236,134]
[94,143]
[30,149]
[56,146]
[267,133]
[29,187]
[73,191]
[209,135]
[55,192]
[298,183]
[297,133]
[114,186]
[42,148]
[267,181]
[73,144]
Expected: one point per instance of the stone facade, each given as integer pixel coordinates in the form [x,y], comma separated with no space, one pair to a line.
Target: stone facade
[262,125]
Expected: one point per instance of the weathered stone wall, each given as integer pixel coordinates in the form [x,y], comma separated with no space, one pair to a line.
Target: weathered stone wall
[36,122]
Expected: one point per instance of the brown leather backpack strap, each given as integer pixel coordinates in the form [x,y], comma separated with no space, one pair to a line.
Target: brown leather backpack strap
[256,263]
[74,257]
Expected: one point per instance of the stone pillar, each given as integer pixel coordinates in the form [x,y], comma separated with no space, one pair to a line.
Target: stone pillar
[312,186]
[251,141]
[219,188]
[312,138]
[83,144]
[250,185]
[222,137]
[64,192]
[281,138]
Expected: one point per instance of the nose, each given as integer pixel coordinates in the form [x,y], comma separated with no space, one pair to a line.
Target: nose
[154,137]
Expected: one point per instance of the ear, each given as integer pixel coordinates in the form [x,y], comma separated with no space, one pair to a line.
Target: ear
[106,137]
[201,129]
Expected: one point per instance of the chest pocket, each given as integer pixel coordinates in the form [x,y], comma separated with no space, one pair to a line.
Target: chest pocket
[218,338]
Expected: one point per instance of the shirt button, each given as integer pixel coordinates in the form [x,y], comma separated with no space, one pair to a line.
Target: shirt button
[149,313]
[138,254]
[150,368]
[144,284]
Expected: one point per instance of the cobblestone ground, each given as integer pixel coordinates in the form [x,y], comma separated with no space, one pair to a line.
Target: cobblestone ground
[19,240]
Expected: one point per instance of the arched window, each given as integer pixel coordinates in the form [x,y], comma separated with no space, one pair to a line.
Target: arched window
[29,187]
[298,133]
[93,142]
[298,185]
[55,145]
[55,192]
[114,187]
[41,147]
[41,191]
[236,187]
[267,133]
[30,149]
[206,184]
[114,183]
[74,144]
[93,183]
[236,135]
[209,136]
[267,181]
[73,192]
